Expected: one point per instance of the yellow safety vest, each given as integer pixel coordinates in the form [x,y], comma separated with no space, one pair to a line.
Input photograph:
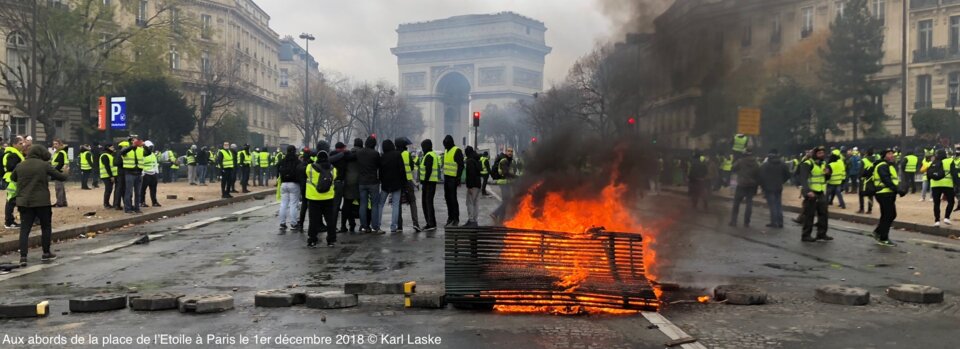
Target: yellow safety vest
[503,179]
[817,182]
[313,179]
[407,165]
[727,164]
[84,164]
[264,158]
[838,172]
[740,143]
[227,158]
[244,157]
[113,167]
[8,152]
[484,164]
[881,189]
[947,181]
[277,158]
[911,163]
[191,158]
[434,174]
[133,159]
[449,164]
[66,160]
[867,166]
[150,162]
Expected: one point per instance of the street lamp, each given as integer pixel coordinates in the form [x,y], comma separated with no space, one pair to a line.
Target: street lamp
[306,91]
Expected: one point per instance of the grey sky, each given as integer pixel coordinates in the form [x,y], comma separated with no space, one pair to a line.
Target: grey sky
[354,37]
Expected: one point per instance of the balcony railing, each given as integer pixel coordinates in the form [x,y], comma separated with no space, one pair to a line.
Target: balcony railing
[928,4]
[934,54]
[922,105]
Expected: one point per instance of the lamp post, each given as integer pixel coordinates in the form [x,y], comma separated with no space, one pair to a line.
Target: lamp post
[4,118]
[306,91]
[903,74]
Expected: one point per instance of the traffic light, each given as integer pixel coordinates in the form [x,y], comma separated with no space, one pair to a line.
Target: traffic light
[631,121]
[476,119]
[533,139]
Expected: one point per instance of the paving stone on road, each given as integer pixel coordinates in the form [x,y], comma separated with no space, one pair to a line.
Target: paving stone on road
[154,301]
[24,310]
[331,300]
[915,293]
[273,299]
[426,300]
[374,288]
[836,294]
[100,302]
[215,303]
[740,294]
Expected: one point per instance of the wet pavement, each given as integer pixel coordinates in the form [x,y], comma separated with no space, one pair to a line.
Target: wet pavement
[244,253]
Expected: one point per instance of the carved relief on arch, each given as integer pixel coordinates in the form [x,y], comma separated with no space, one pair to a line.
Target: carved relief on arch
[437,71]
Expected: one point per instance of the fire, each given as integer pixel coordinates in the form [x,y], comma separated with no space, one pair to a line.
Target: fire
[563,212]
[703,299]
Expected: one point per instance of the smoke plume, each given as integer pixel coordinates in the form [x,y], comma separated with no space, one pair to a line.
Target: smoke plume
[633,16]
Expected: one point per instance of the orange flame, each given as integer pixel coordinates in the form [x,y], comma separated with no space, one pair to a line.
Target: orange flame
[703,299]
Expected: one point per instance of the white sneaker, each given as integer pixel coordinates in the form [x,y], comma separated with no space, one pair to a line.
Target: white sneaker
[947,221]
[936,224]
[922,200]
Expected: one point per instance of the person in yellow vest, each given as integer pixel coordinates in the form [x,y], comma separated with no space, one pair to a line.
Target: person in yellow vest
[506,174]
[838,173]
[942,188]
[452,171]
[726,167]
[192,165]
[244,161]
[108,175]
[429,177]
[910,165]
[12,156]
[484,172]
[226,161]
[320,176]
[60,162]
[886,180]
[275,162]
[813,178]
[86,166]
[925,184]
[255,166]
[132,156]
[120,183]
[866,174]
[409,191]
[151,168]
[263,159]
[167,159]
[740,143]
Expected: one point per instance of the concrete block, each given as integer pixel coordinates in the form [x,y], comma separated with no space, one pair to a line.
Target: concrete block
[426,300]
[154,301]
[206,304]
[740,294]
[24,309]
[100,302]
[375,288]
[331,300]
[836,294]
[915,293]
[273,299]
[171,197]
[259,196]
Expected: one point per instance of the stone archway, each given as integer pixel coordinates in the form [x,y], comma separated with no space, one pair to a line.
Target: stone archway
[453,91]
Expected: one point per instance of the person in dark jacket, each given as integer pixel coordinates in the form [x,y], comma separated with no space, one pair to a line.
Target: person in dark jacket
[108,174]
[747,171]
[60,161]
[33,198]
[429,168]
[336,159]
[409,187]
[343,155]
[306,158]
[369,162]
[393,178]
[773,173]
[698,182]
[12,156]
[452,172]
[474,183]
[351,191]
[203,158]
[290,179]
[321,202]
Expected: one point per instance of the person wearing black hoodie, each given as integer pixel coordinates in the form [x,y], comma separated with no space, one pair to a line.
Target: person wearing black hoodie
[305,160]
[336,159]
[321,200]
[351,192]
[369,180]
[392,181]
[290,179]
[409,167]
[452,172]
[773,173]
[474,180]
[429,177]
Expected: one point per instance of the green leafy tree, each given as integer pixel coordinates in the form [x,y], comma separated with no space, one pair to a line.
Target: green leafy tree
[934,123]
[852,55]
[157,111]
[233,128]
[793,115]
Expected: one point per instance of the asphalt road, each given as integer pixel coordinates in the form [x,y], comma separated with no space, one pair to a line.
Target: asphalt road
[243,253]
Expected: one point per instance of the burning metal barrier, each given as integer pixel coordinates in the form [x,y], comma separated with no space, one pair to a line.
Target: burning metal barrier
[521,270]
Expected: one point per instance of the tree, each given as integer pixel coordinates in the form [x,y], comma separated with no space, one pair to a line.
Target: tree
[366,105]
[932,124]
[157,111]
[552,111]
[232,129]
[326,111]
[401,119]
[794,115]
[853,54]
[217,90]
[592,78]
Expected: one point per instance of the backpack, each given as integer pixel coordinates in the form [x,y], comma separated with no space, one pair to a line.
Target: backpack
[495,170]
[326,179]
[936,171]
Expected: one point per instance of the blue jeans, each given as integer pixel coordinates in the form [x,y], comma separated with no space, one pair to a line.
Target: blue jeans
[835,191]
[202,173]
[369,194]
[394,206]
[132,196]
[775,202]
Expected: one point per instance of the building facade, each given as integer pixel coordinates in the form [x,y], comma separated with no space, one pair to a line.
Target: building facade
[452,67]
[293,62]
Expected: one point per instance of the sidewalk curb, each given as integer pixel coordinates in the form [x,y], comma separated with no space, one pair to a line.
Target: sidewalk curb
[867,220]
[13,244]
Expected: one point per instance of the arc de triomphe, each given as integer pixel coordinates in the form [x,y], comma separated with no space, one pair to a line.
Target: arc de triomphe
[451,67]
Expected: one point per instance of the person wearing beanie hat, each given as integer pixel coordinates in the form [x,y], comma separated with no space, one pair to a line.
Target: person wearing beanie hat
[369,161]
[108,175]
[813,174]
[429,177]
[320,193]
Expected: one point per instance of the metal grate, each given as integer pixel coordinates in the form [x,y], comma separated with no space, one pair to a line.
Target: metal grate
[504,266]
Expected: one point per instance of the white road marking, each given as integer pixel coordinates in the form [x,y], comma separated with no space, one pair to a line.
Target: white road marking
[200,223]
[495,195]
[251,209]
[118,246]
[938,244]
[671,330]
[27,270]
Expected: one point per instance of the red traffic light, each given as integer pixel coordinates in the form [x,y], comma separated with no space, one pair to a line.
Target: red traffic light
[533,139]
[476,119]
[631,121]
[476,115]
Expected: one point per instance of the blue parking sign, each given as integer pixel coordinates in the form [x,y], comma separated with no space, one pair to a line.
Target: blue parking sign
[118,113]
